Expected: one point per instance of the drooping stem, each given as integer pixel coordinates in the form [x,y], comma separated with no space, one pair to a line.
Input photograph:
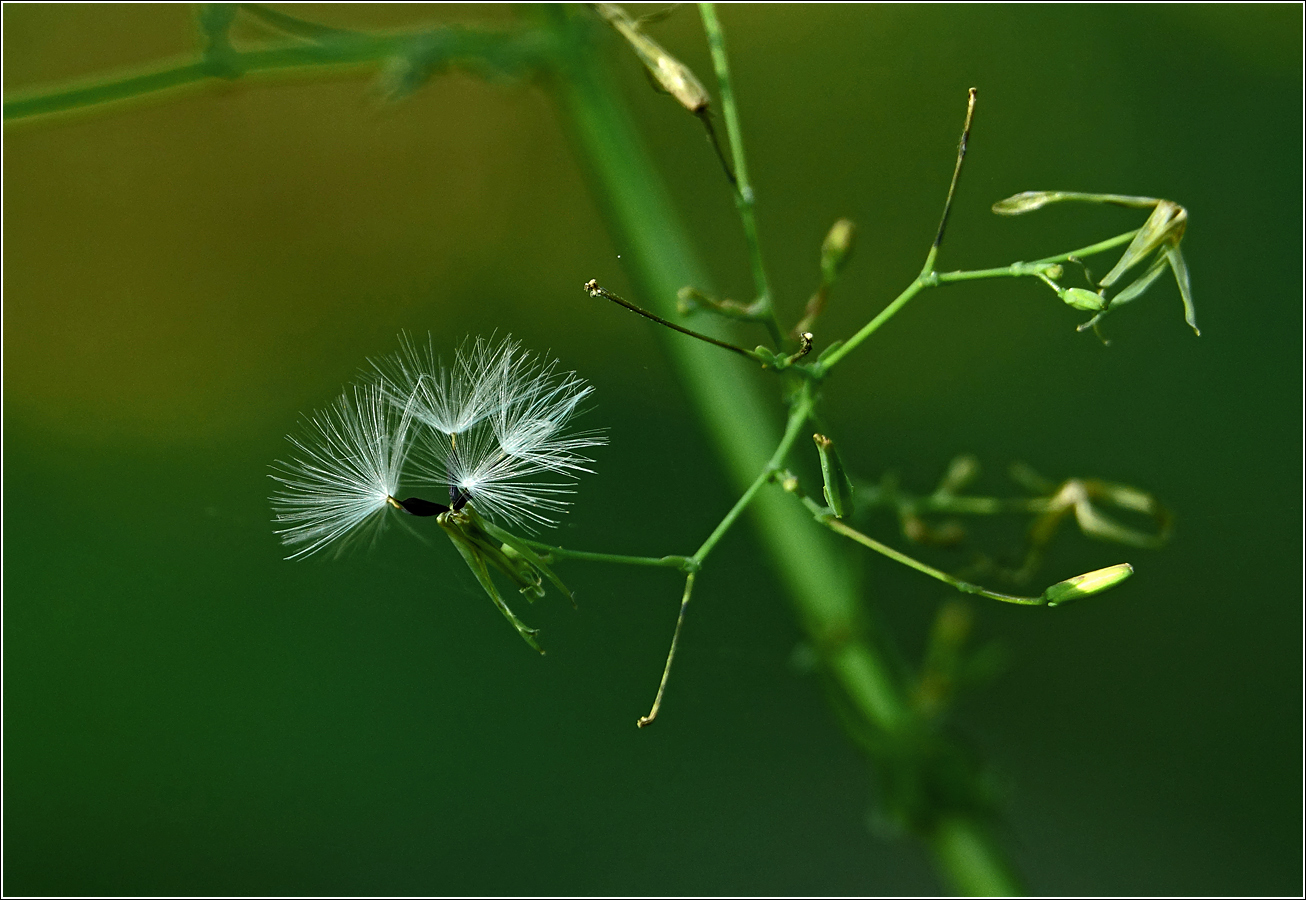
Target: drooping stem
[671,655]
[965,587]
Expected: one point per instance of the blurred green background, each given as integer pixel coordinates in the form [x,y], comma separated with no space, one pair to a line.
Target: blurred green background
[183,277]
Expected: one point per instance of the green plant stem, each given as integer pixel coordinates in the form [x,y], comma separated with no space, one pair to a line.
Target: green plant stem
[797,418]
[930,278]
[744,196]
[968,853]
[831,359]
[443,46]
[1023,269]
[735,413]
[839,527]
[593,288]
[642,721]
[683,563]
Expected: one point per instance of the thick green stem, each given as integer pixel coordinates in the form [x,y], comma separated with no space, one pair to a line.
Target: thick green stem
[483,49]
[736,413]
[973,862]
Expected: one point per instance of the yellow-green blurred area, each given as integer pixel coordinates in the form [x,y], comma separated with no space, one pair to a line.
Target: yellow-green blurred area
[185,275]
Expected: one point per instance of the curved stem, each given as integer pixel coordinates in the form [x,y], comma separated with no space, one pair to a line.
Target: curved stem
[671,655]
[965,587]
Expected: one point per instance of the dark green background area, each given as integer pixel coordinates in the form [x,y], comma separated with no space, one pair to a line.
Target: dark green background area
[183,277]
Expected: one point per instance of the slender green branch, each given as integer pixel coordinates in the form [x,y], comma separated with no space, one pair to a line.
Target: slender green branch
[932,279]
[744,196]
[671,654]
[839,527]
[833,357]
[797,418]
[1035,268]
[979,506]
[956,176]
[594,289]
[735,413]
[293,25]
[683,563]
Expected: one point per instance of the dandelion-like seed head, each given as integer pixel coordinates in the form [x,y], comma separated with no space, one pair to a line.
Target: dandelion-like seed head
[498,436]
[450,401]
[490,430]
[346,474]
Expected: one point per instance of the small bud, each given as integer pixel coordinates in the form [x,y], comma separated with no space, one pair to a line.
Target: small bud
[838,489]
[1087,585]
[1025,201]
[1082,298]
[836,249]
[669,73]
[961,471]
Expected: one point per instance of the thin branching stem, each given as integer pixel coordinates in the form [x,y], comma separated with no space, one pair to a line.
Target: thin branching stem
[1035,268]
[929,279]
[671,654]
[594,289]
[744,196]
[683,563]
[833,357]
[839,527]
[956,174]
[797,418]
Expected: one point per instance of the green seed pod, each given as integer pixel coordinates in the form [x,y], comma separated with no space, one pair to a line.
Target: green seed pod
[1081,298]
[961,471]
[836,248]
[1087,585]
[838,489]
[669,73]
[1025,201]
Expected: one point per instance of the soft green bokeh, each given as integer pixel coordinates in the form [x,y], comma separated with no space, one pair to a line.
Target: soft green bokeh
[187,712]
